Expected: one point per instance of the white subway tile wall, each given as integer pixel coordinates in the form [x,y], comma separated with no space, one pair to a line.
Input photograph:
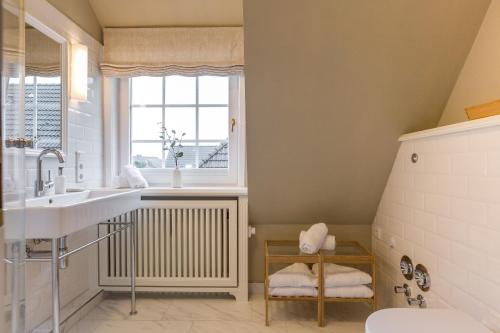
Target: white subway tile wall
[85,123]
[444,212]
[85,134]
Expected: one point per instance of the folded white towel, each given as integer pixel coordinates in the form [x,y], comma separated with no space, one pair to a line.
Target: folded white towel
[342,276]
[349,292]
[134,177]
[328,244]
[295,275]
[313,238]
[293,291]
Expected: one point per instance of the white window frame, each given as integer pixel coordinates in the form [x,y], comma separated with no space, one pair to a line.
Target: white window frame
[65,76]
[235,175]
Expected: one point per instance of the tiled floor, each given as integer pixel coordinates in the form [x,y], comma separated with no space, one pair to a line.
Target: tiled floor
[178,314]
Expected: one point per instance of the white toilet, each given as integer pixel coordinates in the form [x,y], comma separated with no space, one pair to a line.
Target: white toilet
[399,320]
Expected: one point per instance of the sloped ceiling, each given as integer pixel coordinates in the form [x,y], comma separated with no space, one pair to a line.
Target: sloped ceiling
[146,13]
[82,14]
[330,85]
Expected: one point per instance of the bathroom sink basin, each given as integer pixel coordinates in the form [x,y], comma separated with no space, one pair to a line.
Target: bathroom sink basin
[60,215]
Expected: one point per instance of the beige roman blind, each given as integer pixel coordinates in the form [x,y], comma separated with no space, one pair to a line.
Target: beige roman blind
[43,55]
[168,51]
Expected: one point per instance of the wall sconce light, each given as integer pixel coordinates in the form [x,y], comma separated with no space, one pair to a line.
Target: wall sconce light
[79,71]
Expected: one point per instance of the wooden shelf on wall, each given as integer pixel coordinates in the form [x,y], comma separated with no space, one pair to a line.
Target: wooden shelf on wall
[483,110]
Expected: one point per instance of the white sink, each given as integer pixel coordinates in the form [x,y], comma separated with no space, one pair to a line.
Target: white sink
[60,215]
[412,320]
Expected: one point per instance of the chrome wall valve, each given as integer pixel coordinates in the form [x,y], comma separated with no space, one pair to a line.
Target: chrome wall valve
[420,301]
[405,289]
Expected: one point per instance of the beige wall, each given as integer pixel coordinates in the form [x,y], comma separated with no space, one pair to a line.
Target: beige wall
[479,80]
[330,85]
[82,14]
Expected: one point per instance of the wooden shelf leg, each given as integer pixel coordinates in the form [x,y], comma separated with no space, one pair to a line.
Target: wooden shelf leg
[321,293]
[374,285]
[266,290]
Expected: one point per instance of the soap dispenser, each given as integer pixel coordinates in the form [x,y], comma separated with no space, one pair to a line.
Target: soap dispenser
[60,182]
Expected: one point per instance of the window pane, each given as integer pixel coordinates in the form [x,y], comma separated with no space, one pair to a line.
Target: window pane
[182,120]
[214,155]
[214,123]
[146,123]
[180,90]
[206,155]
[189,160]
[146,90]
[213,89]
[43,110]
[147,155]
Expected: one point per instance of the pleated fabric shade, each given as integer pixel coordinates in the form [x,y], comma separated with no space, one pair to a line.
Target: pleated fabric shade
[132,52]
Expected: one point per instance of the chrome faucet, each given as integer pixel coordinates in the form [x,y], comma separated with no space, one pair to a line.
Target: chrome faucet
[42,187]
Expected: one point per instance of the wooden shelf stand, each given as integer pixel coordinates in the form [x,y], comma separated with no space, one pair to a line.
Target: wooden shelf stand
[287,252]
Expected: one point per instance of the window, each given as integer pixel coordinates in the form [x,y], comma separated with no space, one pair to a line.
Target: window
[43,111]
[205,108]
[42,96]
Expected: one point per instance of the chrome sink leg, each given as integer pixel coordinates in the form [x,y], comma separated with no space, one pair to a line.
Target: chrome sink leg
[55,285]
[133,254]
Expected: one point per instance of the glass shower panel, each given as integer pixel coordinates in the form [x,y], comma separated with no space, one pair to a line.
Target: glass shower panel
[12,223]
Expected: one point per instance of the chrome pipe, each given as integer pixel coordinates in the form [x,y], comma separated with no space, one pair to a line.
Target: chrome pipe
[38,254]
[78,249]
[8,261]
[55,286]
[63,263]
[133,258]
[38,259]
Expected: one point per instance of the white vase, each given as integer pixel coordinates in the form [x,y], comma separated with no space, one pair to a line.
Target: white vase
[177,178]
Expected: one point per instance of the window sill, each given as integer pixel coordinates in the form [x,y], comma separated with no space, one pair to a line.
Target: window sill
[192,178]
[195,191]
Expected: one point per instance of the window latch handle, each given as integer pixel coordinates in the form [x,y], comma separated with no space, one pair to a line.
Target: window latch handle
[233,123]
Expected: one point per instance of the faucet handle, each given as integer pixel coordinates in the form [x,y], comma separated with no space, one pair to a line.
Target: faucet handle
[49,179]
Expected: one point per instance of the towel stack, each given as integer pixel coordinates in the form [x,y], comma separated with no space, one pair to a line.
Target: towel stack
[316,238]
[294,280]
[345,282]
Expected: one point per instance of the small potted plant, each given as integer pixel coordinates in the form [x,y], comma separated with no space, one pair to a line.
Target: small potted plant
[173,144]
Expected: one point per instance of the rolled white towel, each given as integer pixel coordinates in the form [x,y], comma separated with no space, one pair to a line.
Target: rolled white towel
[349,292]
[293,291]
[328,244]
[295,275]
[134,177]
[343,276]
[313,238]
[120,181]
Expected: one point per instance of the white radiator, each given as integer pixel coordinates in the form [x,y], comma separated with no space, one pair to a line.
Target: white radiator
[180,243]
